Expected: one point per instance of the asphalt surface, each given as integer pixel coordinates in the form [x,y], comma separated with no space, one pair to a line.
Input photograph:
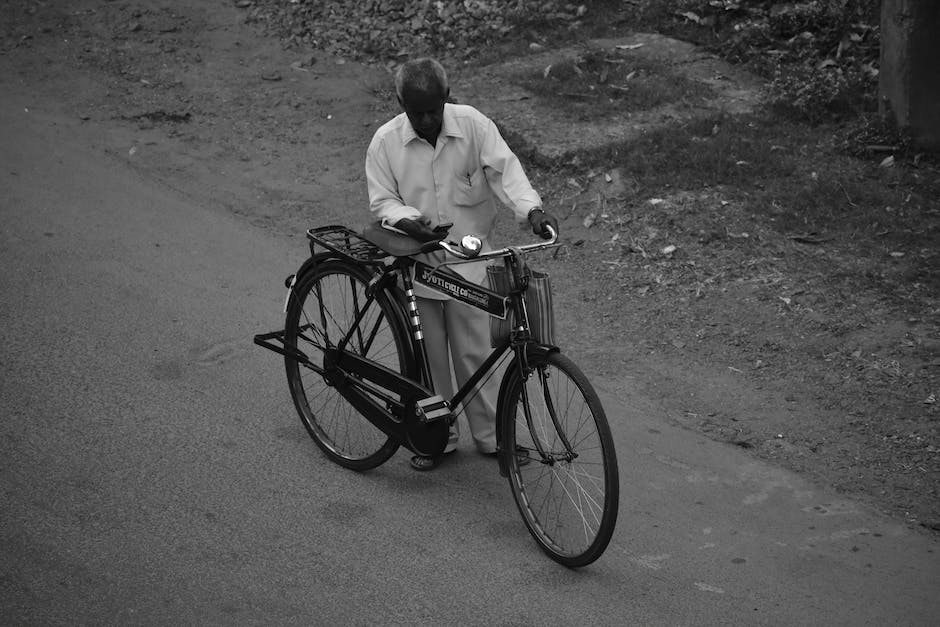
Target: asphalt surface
[154,472]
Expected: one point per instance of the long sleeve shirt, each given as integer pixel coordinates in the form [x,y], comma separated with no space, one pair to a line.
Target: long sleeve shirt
[459,180]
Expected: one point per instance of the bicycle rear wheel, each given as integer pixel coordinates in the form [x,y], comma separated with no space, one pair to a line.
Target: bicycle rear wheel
[569,496]
[323,307]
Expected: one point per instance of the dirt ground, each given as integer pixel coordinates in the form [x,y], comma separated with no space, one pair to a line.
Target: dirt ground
[740,334]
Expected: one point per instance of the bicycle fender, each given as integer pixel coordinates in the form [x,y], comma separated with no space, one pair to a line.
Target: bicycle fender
[534,353]
[319,258]
[312,262]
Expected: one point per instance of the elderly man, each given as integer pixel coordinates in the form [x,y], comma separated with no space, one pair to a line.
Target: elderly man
[440,163]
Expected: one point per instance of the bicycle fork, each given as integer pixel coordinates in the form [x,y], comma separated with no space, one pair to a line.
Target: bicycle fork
[547,458]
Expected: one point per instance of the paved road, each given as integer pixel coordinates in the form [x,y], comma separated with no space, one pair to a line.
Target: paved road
[153,471]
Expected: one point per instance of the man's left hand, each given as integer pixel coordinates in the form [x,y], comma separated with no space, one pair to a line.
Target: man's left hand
[540,221]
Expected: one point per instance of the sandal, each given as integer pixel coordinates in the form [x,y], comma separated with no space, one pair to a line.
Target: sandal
[422,463]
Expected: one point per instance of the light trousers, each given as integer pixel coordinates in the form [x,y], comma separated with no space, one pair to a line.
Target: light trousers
[458,336]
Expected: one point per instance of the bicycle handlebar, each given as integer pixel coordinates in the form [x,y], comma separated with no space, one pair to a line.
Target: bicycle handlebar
[455,249]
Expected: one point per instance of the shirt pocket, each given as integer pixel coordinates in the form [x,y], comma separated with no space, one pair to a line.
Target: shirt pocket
[470,188]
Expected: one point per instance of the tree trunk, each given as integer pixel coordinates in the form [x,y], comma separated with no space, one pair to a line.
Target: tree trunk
[909,78]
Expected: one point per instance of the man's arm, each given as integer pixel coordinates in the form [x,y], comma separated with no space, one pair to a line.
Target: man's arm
[507,178]
[384,200]
[505,174]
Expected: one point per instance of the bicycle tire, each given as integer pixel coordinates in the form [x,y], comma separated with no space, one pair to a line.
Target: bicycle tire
[568,505]
[323,305]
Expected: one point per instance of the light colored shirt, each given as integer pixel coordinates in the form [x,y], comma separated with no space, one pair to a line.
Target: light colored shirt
[459,180]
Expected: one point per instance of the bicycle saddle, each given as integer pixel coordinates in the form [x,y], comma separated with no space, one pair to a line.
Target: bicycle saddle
[396,244]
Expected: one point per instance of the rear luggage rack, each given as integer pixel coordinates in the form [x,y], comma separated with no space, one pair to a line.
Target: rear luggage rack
[346,242]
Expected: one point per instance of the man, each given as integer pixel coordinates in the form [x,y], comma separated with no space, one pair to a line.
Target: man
[440,163]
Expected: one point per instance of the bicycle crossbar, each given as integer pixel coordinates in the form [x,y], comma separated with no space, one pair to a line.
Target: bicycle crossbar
[455,286]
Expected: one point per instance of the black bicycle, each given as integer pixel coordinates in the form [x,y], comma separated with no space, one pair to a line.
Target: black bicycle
[358,374]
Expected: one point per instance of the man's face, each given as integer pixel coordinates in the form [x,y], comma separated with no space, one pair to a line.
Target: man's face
[425,111]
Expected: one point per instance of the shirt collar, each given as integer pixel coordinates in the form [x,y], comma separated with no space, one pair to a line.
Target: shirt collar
[449,126]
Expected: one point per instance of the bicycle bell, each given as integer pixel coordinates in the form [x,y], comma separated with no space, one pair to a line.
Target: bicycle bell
[471,245]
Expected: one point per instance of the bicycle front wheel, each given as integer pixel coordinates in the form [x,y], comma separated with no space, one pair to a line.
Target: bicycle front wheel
[564,470]
[324,305]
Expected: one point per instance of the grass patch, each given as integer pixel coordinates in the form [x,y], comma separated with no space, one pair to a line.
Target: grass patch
[793,179]
[599,83]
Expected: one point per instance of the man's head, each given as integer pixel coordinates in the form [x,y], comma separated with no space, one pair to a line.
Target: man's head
[422,90]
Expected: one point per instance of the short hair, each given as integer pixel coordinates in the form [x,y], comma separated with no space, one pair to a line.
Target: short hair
[424,74]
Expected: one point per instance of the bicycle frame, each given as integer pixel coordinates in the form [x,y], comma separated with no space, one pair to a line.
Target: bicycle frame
[353,309]
[368,373]
[394,402]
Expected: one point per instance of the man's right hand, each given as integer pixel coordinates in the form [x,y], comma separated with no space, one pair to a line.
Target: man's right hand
[419,230]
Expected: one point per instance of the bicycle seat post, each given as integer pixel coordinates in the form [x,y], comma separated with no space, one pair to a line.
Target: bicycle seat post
[414,319]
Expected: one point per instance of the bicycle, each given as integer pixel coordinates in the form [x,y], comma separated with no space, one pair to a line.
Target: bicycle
[358,374]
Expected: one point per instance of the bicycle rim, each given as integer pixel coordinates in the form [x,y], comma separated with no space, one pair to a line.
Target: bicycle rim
[324,306]
[569,502]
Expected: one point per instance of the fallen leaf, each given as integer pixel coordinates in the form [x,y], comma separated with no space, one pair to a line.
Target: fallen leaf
[629,46]
[689,15]
[887,162]
[589,220]
[656,201]
[810,238]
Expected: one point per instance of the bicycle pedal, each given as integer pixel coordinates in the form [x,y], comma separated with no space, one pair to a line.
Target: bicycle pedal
[433,408]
